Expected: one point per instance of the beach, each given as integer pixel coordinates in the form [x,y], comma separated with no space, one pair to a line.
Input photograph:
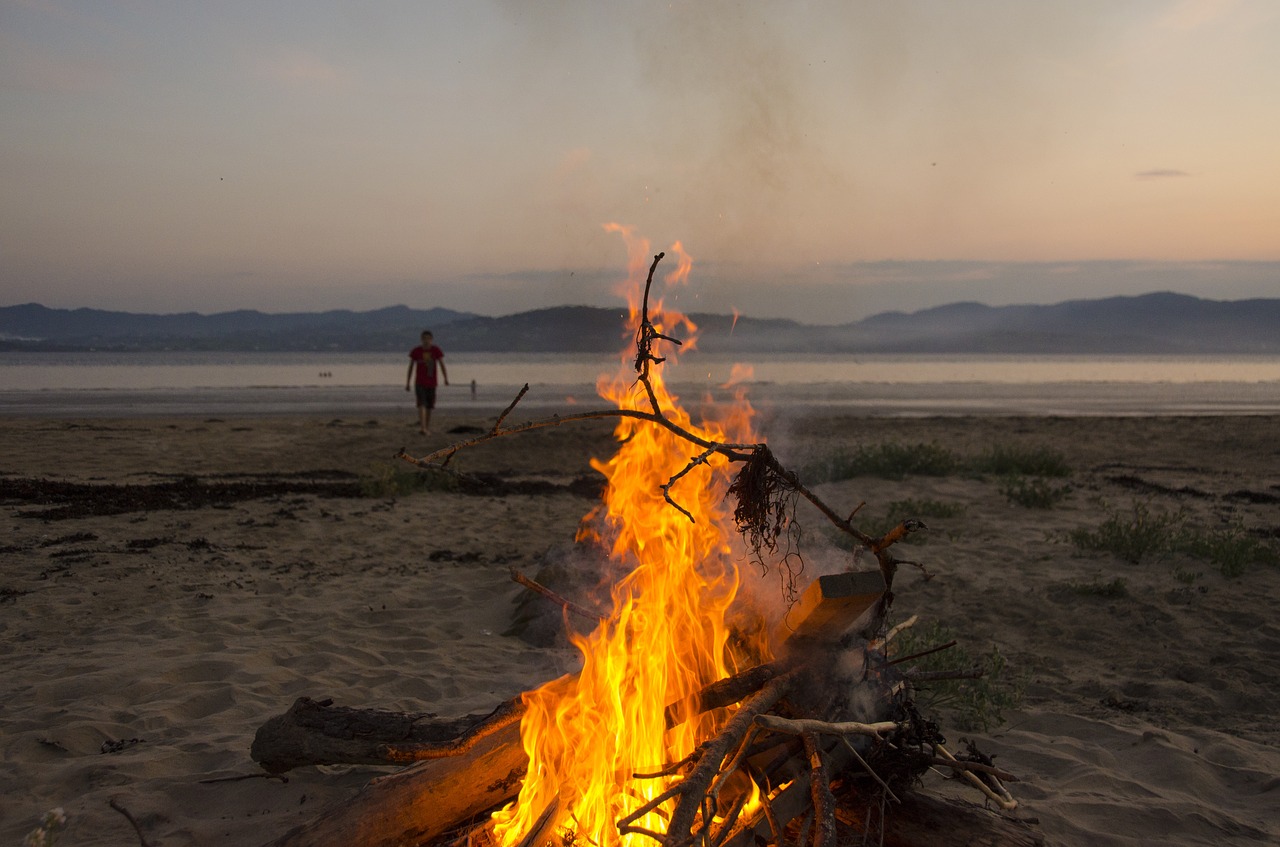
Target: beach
[170,583]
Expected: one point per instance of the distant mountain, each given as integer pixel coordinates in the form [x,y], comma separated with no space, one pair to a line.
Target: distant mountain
[34,327]
[1151,323]
[1159,323]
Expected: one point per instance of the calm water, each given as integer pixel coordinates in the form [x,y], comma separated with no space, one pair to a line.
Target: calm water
[91,384]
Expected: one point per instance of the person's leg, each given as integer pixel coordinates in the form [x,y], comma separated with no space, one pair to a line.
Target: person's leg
[428,404]
[423,396]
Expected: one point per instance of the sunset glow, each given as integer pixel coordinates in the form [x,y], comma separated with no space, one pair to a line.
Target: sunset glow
[284,157]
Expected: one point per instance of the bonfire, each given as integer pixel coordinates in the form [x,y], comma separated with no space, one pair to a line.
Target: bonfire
[697,718]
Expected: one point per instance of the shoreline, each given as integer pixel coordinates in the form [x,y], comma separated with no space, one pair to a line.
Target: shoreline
[1149,686]
[951,399]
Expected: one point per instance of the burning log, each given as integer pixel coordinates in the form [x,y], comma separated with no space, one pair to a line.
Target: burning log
[481,767]
[475,762]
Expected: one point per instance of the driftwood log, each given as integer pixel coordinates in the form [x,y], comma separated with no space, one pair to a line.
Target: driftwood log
[315,732]
[420,802]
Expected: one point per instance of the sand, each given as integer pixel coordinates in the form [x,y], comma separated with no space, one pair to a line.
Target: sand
[144,647]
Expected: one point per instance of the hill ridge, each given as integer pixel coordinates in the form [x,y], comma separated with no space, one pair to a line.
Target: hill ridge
[1156,323]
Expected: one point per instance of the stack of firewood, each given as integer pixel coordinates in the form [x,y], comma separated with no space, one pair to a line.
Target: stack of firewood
[827,733]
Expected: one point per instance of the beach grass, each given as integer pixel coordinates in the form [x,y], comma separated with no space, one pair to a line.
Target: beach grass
[1033,492]
[1018,460]
[1138,534]
[1231,549]
[888,460]
[897,461]
[976,704]
[1143,533]
[1112,589]
[383,479]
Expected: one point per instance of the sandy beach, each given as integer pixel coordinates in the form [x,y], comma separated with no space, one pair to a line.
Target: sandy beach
[171,583]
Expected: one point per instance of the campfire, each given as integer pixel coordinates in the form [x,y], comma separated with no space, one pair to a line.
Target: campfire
[667,636]
[697,718]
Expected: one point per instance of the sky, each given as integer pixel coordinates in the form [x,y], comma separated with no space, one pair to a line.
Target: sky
[820,161]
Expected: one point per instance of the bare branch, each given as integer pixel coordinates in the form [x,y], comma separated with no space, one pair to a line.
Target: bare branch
[142,839]
[695,785]
[800,727]
[1003,799]
[700,459]
[866,767]
[497,425]
[916,675]
[824,804]
[977,767]
[924,653]
[565,603]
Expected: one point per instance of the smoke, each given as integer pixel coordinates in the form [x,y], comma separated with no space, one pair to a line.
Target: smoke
[742,127]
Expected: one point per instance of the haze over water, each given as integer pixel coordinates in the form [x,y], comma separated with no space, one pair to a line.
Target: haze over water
[70,385]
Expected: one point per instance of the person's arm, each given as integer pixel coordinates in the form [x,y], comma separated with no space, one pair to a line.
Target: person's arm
[444,373]
[408,378]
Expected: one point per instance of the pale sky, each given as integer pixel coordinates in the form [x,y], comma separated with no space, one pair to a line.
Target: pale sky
[819,160]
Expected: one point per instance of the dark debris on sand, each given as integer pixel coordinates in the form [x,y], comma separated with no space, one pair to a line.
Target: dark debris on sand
[64,500]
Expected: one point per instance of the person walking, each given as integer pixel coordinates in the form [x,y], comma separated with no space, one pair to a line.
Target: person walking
[426,358]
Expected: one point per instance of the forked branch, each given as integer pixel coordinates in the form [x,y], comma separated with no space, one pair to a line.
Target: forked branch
[765,488]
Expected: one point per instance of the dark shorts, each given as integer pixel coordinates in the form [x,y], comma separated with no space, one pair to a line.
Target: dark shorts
[426,395]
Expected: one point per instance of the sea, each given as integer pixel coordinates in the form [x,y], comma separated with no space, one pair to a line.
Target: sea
[100,384]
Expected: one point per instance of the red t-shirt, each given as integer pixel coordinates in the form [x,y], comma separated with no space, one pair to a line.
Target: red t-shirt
[425,373]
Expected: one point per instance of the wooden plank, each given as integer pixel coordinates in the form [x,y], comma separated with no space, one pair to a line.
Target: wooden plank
[831,605]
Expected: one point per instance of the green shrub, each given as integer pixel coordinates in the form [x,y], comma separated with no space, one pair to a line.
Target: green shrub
[886,461]
[924,509]
[1005,460]
[978,704]
[1230,550]
[1033,493]
[1144,533]
[1114,589]
[399,480]
[1134,536]
[897,461]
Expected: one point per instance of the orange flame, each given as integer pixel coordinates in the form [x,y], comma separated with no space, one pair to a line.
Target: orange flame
[739,374]
[587,736]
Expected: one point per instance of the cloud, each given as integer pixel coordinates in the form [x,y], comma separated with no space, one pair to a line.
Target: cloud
[1160,173]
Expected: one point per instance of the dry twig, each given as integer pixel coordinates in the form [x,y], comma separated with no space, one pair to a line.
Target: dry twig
[142,839]
[564,602]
